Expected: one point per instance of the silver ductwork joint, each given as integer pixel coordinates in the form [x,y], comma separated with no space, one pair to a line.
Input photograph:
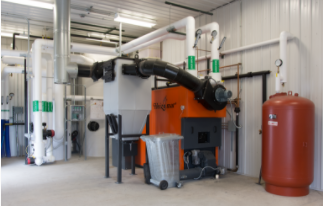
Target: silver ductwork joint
[63,68]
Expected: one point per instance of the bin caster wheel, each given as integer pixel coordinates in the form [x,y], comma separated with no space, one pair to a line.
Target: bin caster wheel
[179,184]
[147,174]
[163,185]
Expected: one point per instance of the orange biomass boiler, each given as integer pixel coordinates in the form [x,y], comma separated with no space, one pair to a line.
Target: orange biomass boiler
[175,110]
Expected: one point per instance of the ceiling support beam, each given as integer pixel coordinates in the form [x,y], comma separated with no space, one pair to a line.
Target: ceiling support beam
[88,30]
[188,8]
[93,25]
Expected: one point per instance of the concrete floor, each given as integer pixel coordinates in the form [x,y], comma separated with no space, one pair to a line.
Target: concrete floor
[79,182]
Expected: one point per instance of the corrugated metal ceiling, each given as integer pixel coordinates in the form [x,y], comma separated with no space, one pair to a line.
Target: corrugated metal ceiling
[102,13]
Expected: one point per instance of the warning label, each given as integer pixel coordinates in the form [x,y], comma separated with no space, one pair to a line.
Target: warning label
[272,123]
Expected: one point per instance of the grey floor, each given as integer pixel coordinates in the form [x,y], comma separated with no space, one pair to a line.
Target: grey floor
[79,182]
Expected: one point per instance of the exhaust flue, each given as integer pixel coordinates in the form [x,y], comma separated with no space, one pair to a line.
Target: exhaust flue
[62,38]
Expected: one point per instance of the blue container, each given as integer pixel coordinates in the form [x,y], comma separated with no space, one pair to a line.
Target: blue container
[7,141]
[2,138]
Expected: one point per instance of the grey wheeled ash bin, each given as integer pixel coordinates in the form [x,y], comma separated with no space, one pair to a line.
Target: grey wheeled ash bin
[163,156]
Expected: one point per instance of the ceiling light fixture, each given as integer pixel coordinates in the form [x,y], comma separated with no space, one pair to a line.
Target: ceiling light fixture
[5,34]
[32,3]
[135,21]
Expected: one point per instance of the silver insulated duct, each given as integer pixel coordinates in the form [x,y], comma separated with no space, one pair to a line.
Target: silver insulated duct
[63,69]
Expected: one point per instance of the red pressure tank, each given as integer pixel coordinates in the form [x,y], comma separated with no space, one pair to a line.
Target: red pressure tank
[288,144]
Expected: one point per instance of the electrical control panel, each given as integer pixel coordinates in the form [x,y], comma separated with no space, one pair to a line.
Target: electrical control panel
[76,112]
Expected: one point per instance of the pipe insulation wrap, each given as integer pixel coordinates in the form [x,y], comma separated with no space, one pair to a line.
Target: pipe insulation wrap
[162,31]
[78,59]
[49,151]
[284,36]
[215,54]
[156,40]
[37,103]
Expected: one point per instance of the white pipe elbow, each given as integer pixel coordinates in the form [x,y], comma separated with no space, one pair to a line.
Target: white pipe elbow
[210,27]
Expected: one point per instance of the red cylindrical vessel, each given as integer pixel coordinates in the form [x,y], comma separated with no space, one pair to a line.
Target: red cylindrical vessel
[288,144]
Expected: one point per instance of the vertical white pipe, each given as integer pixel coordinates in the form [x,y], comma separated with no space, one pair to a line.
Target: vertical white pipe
[44,104]
[277,84]
[59,111]
[37,103]
[44,95]
[284,36]
[190,37]
[215,54]
[49,151]
[50,92]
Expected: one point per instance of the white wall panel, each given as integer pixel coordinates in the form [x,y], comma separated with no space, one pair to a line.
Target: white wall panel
[16,86]
[321,93]
[251,21]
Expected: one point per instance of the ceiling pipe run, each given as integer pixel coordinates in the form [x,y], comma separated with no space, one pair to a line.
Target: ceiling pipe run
[13,53]
[11,69]
[156,40]
[79,59]
[251,46]
[188,23]
[81,97]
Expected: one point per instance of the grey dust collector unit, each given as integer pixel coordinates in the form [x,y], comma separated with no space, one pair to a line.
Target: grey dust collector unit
[130,97]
